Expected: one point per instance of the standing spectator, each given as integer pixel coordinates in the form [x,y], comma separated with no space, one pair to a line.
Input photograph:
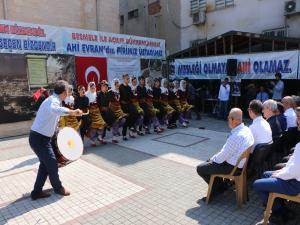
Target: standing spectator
[278,88]
[223,97]
[289,111]
[262,95]
[250,93]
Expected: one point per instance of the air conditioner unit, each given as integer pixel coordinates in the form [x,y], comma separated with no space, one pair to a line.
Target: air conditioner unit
[199,18]
[291,7]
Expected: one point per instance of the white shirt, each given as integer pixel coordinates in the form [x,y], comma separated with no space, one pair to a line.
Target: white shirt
[278,90]
[48,115]
[224,92]
[292,168]
[261,131]
[240,139]
[291,118]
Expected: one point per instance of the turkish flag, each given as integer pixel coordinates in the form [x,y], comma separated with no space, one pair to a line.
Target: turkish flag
[90,69]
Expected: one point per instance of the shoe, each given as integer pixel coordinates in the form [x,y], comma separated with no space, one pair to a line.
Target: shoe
[131,135]
[140,133]
[62,191]
[115,141]
[125,138]
[102,142]
[158,130]
[184,124]
[42,194]
[93,144]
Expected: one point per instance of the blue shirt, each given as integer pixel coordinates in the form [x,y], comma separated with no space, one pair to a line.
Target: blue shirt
[262,96]
[48,115]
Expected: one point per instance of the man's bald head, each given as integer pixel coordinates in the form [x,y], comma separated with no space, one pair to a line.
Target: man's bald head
[237,114]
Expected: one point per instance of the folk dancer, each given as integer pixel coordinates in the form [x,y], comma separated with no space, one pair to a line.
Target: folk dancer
[98,124]
[115,107]
[128,107]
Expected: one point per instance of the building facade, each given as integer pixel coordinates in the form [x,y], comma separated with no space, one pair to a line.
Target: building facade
[99,15]
[186,22]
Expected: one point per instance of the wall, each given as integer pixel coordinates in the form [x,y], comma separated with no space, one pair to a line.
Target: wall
[68,13]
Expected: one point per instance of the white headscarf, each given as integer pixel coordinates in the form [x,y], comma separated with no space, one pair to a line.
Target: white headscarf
[69,100]
[148,83]
[176,85]
[133,88]
[182,85]
[92,96]
[163,89]
[113,85]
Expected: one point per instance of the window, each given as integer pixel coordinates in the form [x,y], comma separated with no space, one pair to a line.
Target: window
[278,32]
[133,14]
[223,3]
[197,5]
[197,42]
[122,20]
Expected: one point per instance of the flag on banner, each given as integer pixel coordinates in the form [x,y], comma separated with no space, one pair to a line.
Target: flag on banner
[90,69]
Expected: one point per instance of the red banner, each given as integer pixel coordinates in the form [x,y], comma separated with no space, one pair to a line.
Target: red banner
[90,69]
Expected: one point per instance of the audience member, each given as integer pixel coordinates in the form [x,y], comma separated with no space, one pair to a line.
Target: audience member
[260,128]
[289,112]
[269,111]
[224,161]
[283,181]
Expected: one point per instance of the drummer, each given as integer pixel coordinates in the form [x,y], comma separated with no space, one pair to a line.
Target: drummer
[42,130]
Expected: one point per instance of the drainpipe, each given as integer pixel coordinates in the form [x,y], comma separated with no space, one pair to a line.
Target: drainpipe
[97,15]
[4,6]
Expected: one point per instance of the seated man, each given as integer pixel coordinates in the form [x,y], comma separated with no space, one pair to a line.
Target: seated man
[260,128]
[289,112]
[223,162]
[291,139]
[270,110]
[283,181]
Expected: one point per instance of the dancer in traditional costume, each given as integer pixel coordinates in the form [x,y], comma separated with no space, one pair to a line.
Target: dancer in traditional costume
[135,102]
[82,102]
[185,106]
[98,124]
[175,102]
[128,107]
[69,102]
[164,100]
[103,100]
[152,111]
[115,107]
[156,102]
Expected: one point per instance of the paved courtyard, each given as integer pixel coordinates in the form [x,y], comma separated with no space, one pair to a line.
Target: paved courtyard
[147,180]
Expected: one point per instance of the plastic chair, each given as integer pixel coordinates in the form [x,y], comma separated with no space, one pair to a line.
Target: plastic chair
[258,157]
[239,180]
[271,199]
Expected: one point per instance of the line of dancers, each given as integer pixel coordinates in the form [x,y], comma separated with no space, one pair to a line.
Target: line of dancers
[136,106]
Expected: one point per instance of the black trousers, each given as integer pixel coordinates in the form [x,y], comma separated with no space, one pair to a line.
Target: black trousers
[132,116]
[85,124]
[206,169]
